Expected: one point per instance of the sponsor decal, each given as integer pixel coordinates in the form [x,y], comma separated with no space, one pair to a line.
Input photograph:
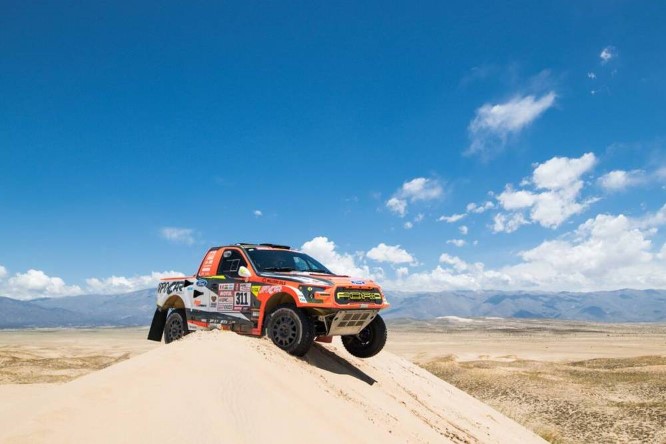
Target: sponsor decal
[202,283]
[274,281]
[225,293]
[358,282]
[245,287]
[225,303]
[256,289]
[301,298]
[225,287]
[170,287]
[213,298]
[197,303]
[242,299]
[271,289]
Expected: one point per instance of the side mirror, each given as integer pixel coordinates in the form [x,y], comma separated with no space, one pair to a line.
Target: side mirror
[244,272]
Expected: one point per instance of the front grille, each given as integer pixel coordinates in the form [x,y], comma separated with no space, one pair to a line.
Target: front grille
[352,295]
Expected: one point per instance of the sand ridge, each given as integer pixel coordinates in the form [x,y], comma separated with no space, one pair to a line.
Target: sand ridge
[222,387]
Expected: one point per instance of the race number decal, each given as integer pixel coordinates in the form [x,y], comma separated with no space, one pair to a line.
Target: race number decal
[242,299]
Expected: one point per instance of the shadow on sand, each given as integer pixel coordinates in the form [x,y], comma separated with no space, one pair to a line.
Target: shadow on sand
[329,361]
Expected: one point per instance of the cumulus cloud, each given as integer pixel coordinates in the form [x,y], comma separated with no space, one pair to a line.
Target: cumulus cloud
[619,180]
[389,253]
[607,54]
[122,284]
[418,189]
[463,230]
[408,225]
[553,195]
[451,219]
[493,124]
[258,213]
[480,208]
[508,223]
[178,235]
[607,252]
[325,251]
[457,242]
[35,283]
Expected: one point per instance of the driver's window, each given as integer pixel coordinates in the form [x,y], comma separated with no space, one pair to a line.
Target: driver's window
[231,261]
[300,264]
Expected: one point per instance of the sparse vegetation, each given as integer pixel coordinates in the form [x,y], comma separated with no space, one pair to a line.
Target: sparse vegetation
[596,400]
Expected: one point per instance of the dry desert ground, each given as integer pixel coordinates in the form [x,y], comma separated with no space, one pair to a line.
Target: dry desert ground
[566,381]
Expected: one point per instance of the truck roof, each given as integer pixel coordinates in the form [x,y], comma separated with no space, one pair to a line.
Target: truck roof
[251,245]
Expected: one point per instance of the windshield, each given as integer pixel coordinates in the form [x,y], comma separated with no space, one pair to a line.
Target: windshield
[284,261]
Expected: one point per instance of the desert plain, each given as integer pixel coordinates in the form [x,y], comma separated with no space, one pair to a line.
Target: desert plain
[564,381]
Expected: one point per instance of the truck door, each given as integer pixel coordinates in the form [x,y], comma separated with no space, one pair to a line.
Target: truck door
[234,294]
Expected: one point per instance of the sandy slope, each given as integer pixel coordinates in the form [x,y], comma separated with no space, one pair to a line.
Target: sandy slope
[221,387]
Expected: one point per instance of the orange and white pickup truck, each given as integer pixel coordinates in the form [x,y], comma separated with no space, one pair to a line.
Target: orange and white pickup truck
[258,289]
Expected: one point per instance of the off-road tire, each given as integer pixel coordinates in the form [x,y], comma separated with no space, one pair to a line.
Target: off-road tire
[175,326]
[369,341]
[290,329]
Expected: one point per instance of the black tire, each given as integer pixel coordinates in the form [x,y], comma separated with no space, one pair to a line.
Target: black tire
[290,329]
[369,341]
[175,326]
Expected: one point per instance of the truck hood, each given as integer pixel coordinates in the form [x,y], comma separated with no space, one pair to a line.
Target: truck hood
[324,280]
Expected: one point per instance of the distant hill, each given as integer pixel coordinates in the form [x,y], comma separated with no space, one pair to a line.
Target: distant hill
[136,308]
[93,310]
[601,306]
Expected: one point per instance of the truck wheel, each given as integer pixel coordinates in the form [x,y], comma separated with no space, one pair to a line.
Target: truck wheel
[369,341]
[175,326]
[290,329]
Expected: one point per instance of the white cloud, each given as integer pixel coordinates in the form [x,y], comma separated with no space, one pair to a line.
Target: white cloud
[122,284]
[35,283]
[463,230]
[258,213]
[457,242]
[178,235]
[607,252]
[508,223]
[418,189]
[562,172]
[3,272]
[591,75]
[619,179]
[494,123]
[480,208]
[554,197]
[398,206]
[408,225]
[401,271]
[390,253]
[451,219]
[607,54]
[324,250]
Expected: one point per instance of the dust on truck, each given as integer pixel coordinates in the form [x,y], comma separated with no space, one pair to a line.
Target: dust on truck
[257,289]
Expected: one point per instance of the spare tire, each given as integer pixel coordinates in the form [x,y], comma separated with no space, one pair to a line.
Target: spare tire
[369,341]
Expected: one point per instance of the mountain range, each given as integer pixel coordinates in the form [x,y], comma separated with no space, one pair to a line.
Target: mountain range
[136,308]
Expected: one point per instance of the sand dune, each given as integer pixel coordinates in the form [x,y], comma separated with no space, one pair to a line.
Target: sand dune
[221,387]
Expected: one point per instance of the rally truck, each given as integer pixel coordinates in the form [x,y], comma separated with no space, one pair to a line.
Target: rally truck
[257,289]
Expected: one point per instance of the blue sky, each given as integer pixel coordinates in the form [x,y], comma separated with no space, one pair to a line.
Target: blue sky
[133,136]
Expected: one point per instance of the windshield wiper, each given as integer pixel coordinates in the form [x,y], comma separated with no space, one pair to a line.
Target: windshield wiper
[319,270]
[278,269]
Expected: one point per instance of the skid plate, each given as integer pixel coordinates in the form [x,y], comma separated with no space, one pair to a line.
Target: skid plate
[351,322]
